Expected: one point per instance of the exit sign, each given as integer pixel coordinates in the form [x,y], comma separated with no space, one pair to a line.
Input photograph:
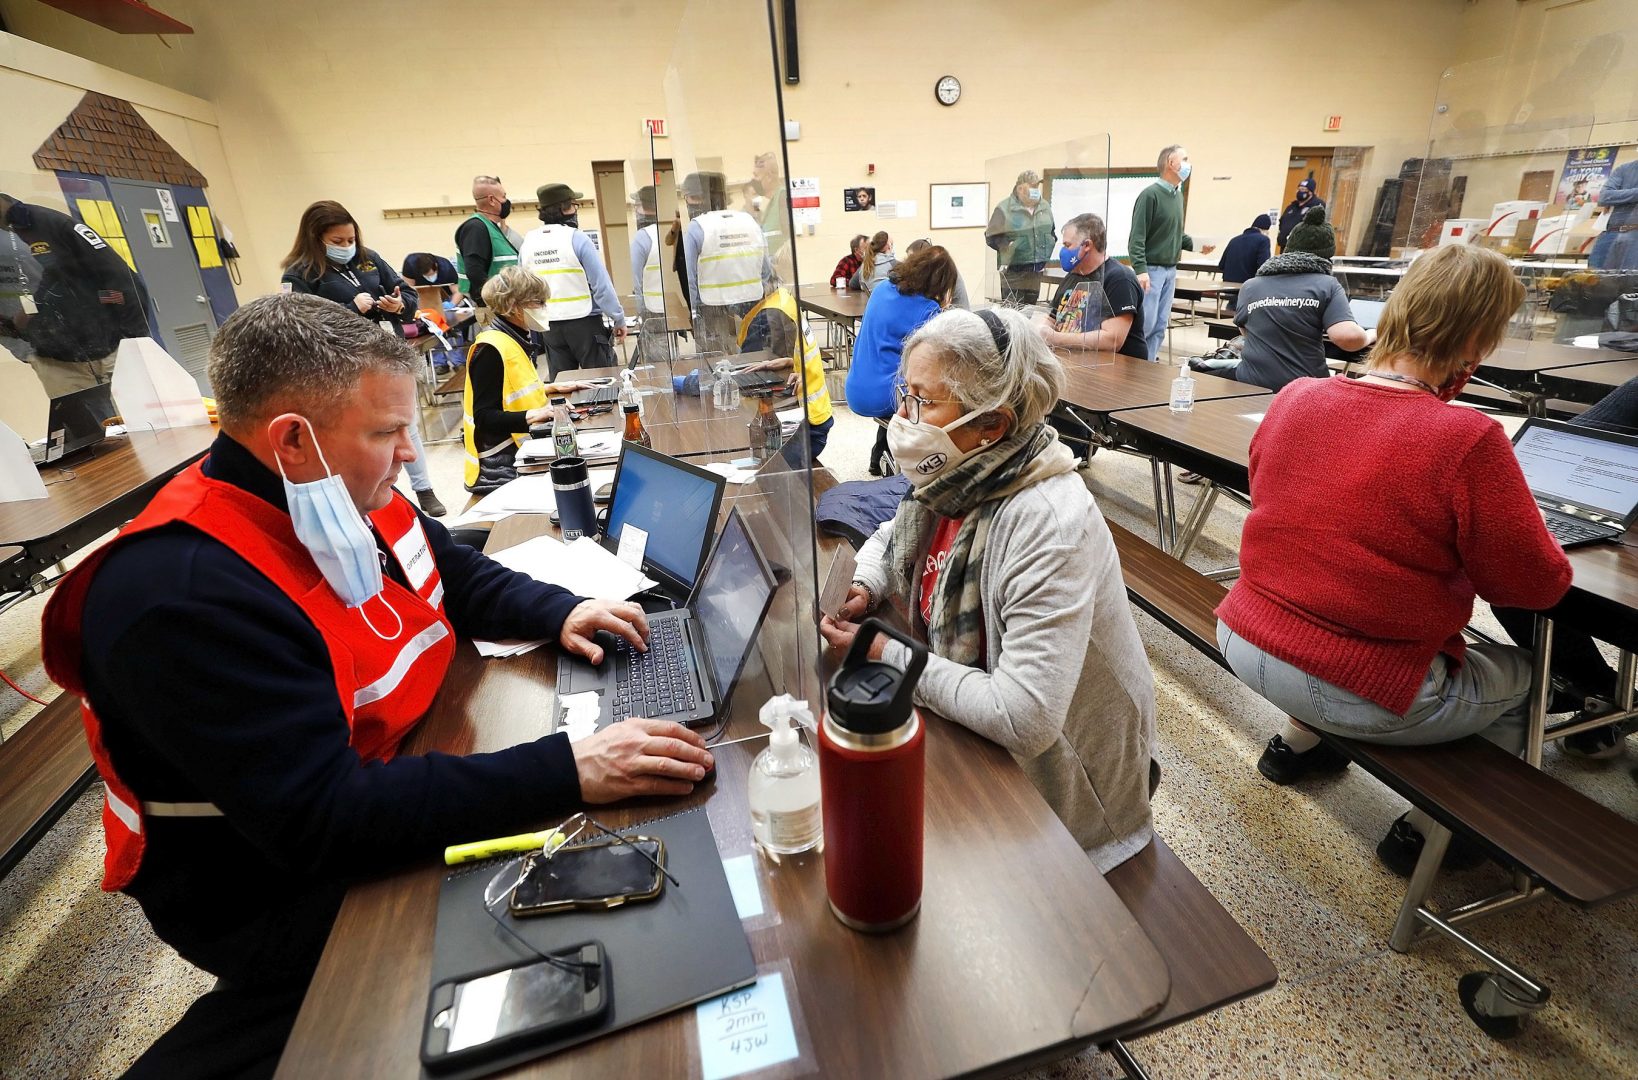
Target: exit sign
[654,128]
[1333,123]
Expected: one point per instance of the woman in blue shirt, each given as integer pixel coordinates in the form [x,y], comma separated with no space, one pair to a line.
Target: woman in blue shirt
[915,291]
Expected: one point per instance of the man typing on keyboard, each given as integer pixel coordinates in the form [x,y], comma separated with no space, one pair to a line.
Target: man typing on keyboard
[252,651]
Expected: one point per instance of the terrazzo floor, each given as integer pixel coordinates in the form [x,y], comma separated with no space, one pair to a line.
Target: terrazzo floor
[85,987]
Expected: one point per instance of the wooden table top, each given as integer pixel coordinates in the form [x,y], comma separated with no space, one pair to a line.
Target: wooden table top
[1199,266]
[88,482]
[1103,382]
[1198,289]
[1021,953]
[1514,355]
[1589,382]
[826,301]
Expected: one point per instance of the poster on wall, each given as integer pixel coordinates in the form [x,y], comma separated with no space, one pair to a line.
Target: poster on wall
[1585,171]
[959,206]
[804,200]
[858,198]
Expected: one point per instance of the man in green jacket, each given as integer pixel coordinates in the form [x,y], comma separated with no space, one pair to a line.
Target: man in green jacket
[484,246]
[1157,240]
[1023,236]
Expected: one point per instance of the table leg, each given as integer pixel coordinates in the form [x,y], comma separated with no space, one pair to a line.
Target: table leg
[1195,523]
[1160,505]
[1541,688]
[1171,509]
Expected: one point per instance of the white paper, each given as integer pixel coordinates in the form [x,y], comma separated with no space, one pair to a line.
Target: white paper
[733,472]
[578,714]
[746,1030]
[633,542]
[592,445]
[19,479]
[906,207]
[583,567]
[741,872]
[525,495]
[1256,417]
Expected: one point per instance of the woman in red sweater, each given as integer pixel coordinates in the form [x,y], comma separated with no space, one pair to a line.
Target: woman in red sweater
[1378,512]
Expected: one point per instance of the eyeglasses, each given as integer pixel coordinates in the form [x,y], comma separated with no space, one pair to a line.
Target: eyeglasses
[911,404]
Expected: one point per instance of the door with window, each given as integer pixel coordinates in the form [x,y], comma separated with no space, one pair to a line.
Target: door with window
[162,243]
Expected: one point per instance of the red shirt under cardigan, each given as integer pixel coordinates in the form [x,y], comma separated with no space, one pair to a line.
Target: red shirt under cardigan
[1377,514]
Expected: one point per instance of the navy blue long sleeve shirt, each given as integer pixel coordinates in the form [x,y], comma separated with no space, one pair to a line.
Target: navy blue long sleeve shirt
[212,686]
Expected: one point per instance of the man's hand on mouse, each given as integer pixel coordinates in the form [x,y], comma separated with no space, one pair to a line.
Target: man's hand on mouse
[620,618]
[640,757]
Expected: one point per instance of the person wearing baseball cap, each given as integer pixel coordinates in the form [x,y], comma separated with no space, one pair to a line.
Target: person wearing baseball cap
[583,309]
[1245,253]
[1304,200]
[1023,236]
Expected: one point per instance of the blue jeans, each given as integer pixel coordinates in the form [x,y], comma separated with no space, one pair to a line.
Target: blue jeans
[1157,307]
[420,479]
[1488,695]
[1614,251]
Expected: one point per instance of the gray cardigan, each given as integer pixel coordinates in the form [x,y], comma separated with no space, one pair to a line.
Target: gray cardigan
[1079,721]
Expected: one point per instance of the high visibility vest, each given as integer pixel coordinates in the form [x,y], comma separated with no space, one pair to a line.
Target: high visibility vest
[816,390]
[732,251]
[502,253]
[382,687]
[521,390]
[549,252]
[652,286]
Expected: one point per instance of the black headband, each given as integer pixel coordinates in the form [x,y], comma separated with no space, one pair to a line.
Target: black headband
[998,331]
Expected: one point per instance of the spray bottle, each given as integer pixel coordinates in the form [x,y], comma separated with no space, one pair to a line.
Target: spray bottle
[784,783]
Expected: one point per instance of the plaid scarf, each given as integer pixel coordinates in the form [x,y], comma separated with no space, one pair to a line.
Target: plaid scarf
[973,490]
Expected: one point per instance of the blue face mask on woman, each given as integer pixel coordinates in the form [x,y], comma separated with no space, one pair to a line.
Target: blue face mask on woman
[332,530]
[340,253]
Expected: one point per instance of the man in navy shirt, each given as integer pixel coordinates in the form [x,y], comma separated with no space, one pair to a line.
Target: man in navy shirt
[204,643]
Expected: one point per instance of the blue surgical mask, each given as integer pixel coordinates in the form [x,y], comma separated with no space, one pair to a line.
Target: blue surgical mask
[332,530]
[430,278]
[1183,171]
[341,253]
[1068,257]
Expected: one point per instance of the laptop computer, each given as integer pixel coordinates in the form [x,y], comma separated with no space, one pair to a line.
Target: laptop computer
[1584,479]
[675,503]
[695,653]
[1367,312]
[74,422]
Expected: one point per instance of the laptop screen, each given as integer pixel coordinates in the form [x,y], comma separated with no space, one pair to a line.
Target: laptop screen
[1367,312]
[80,416]
[734,593]
[675,503]
[1580,466]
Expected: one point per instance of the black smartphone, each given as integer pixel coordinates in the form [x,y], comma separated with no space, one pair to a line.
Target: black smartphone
[478,1017]
[606,874]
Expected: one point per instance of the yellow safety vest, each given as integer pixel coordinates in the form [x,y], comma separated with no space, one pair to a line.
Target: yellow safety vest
[521,390]
[815,387]
[549,252]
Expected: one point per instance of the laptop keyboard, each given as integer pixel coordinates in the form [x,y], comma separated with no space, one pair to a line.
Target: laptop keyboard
[1570,531]
[597,395]
[655,683]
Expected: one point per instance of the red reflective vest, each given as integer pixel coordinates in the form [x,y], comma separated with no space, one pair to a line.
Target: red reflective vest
[384,687]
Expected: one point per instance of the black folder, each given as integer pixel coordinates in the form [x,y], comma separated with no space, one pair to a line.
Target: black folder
[684,947]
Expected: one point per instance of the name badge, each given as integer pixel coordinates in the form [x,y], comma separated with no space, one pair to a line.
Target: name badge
[414,556]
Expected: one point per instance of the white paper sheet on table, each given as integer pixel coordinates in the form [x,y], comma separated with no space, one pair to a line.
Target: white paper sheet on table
[525,495]
[593,446]
[734,473]
[583,567]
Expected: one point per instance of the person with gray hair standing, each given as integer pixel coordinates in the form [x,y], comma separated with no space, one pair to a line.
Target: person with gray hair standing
[1010,573]
[251,652]
[1157,241]
[1022,234]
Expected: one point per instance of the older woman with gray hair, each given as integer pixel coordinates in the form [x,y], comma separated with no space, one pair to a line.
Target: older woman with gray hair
[1008,569]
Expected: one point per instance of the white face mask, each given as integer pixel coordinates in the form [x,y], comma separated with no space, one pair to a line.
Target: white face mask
[431,277]
[332,530]
[536,318]
[341,253]
[925,450]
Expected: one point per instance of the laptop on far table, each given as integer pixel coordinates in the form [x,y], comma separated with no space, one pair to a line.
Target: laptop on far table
[75,421]
[1367,313]
[695,653]
[1584,479]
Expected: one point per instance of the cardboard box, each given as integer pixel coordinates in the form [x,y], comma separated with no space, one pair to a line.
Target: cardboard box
[1461,230]
[1505,217]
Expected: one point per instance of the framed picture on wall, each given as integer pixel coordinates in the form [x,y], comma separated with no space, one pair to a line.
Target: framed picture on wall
[959,206]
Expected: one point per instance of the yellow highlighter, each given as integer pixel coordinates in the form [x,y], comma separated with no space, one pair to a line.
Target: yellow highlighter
[549,840]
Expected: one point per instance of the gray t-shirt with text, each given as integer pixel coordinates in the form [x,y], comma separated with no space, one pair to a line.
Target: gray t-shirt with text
[1284,318]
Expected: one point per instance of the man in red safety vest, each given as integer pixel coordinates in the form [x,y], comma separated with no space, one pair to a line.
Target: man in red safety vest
[251,651]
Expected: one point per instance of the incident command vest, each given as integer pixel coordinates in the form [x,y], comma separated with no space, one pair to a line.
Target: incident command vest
[653,288]
[549,252]
[384,687]
[501,255]
[732,251]
[521,390]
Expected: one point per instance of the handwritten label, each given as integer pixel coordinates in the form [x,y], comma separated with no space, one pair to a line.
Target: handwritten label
[746,1030]
[741,872]
[633,542]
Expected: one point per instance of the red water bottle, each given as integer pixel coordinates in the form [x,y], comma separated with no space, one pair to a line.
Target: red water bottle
[872,773]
